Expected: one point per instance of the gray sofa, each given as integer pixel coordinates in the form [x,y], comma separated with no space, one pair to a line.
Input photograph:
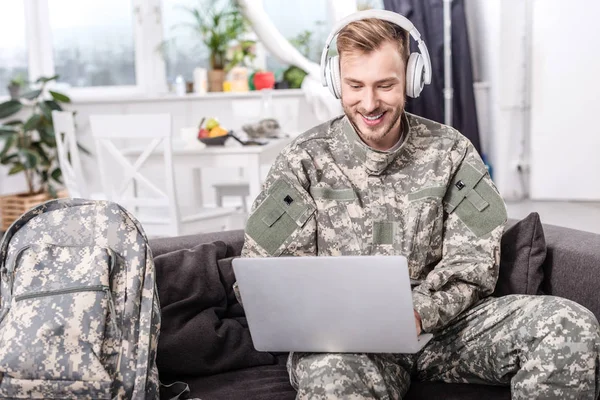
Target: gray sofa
[571,269]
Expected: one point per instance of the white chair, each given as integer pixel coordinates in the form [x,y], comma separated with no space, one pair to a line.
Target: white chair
[156,208]
[68,154]
[232,189]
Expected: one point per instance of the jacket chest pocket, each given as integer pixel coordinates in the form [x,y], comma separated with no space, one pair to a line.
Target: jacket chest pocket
[336,231]
[423,229]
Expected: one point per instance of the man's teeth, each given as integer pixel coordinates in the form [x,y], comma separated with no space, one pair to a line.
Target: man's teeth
[374,117]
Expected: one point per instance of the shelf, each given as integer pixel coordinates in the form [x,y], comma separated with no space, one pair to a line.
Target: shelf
[133,98]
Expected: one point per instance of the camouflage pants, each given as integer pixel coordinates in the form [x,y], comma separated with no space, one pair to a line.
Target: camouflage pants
[543,347]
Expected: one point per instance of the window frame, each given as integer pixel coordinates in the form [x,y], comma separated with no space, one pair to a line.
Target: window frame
[149,64]
[6,97]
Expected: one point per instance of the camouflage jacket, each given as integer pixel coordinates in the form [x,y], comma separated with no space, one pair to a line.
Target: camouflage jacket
[430,200]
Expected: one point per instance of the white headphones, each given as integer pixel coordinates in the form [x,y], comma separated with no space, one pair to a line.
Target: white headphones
[418,68]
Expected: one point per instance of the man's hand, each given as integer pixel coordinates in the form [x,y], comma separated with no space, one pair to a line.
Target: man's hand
[418,322]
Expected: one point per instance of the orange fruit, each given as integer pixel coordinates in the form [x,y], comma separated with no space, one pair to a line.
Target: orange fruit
[217,131]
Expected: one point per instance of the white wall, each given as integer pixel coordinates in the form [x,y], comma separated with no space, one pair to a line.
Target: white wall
[565,133]
[483,28]
[538,100]
[498,33]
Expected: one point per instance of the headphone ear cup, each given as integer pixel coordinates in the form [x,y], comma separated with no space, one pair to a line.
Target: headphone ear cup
[415,68]
[336,79]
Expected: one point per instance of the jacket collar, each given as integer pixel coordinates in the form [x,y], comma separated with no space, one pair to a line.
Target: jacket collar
[375,161]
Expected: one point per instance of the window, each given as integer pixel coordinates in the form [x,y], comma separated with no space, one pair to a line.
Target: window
[93,43]
[307,28]
[183,49]
[128,47]
[13,48]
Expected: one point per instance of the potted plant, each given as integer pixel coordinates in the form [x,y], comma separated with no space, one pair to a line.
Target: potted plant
[15,85]
[29,147]
[294,76]
[220,25]
[305,42]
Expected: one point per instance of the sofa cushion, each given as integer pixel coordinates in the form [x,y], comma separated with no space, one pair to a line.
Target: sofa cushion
[203,328]
[456,391]
[269,382]
[272,383]
[523,251]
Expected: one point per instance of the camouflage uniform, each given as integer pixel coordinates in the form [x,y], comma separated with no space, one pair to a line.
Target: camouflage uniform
[432,201]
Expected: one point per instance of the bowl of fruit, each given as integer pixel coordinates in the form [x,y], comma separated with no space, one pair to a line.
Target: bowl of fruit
[212,133]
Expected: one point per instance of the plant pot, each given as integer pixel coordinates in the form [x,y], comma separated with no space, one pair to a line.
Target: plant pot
[264,80]
[14,91]
[216,77]
[14,205]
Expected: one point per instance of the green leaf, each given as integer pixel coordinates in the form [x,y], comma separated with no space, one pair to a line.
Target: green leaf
[60,97]
[47,111]
[8,159]
[57,175]
[43,79]
[47,138]
[18,167]
[52,191]
[8,143]
[43,175]
[41,153]
[9,108]
[31,159]
[14,122]
[32,123]
[46,132]
[53,105]
[31,94]
[7,131]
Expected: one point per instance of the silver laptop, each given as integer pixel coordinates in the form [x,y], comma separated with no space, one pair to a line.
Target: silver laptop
[357,304]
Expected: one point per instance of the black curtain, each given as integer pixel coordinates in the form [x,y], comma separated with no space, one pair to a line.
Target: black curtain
[428,18]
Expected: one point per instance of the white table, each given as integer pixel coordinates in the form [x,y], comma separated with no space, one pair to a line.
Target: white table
[249,158]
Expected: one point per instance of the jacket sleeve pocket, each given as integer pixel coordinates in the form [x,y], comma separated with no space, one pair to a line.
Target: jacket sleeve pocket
[476,203]
[285,210]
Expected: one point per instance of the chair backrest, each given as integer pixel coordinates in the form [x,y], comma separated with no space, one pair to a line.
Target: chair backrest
[127,186]
[68,154]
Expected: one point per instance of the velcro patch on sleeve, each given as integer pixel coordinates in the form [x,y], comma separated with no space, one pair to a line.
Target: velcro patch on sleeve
[475,201]
[284,211]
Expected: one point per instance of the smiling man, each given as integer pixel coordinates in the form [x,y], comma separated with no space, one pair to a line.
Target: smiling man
[374,93]
[380,181]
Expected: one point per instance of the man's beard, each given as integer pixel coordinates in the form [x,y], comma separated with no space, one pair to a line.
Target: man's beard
[378,133]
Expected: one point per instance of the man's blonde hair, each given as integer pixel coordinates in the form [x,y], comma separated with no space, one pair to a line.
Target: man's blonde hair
[369,34]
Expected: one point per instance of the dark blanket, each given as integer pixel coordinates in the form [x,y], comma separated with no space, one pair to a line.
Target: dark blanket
[203,329]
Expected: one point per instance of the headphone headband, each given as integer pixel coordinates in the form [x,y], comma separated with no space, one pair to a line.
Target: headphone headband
[385,15]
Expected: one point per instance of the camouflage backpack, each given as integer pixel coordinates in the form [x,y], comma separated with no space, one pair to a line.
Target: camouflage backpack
[79,311]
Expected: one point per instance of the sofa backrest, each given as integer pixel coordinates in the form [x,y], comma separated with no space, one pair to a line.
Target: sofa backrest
[571,269]
[572,266]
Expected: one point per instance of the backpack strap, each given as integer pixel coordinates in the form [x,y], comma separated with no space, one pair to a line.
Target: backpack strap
[175,391]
